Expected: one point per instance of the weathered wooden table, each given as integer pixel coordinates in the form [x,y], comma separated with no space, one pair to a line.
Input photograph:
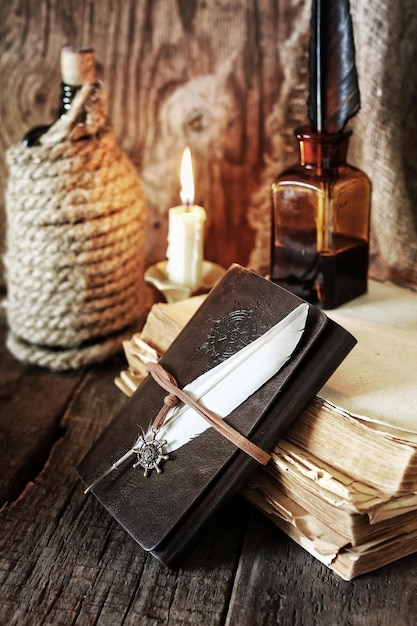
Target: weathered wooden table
[64,560]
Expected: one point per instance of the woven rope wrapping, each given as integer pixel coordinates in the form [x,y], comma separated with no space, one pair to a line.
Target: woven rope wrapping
[74,258]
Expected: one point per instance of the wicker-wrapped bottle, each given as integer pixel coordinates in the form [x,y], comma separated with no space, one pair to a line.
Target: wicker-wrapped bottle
[74,240]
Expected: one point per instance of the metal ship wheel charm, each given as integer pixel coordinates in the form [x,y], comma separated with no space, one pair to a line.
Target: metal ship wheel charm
[150,453]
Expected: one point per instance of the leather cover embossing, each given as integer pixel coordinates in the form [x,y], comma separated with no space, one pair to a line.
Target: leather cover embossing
[165,513]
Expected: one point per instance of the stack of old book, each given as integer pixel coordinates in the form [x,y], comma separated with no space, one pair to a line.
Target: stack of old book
[343,481]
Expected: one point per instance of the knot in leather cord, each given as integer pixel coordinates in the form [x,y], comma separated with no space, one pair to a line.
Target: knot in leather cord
[171,400]
[168,382]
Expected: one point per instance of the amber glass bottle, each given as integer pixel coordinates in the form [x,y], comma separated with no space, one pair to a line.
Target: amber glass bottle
[77,68]
[320,223]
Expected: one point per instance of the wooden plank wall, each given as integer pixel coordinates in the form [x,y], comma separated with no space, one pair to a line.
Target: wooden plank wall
[177,72]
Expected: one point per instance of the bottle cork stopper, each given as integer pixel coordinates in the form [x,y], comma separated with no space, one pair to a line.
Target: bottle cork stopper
[78,65]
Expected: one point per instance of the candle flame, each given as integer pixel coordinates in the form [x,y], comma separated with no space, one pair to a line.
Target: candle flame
[186,178]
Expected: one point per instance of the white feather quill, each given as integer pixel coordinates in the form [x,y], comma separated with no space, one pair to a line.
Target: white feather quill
[224,387]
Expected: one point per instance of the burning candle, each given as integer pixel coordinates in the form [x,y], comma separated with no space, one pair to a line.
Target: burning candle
[186,233]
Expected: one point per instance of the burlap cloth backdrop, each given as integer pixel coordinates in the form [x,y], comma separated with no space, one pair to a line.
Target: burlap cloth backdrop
[384,142]
[74,245]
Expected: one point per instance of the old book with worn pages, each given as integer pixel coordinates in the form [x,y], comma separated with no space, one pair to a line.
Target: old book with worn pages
[342,481]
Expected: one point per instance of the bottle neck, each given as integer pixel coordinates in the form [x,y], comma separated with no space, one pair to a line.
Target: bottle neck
[322,151]
[77,68]
[68,93]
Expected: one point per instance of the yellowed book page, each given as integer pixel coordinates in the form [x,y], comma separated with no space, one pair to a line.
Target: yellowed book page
[165,321]
[326,541]
[378,381]
[326,545]
[294,466]
[181,312]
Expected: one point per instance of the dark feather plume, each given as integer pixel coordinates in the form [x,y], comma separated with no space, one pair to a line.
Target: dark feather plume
[333,81]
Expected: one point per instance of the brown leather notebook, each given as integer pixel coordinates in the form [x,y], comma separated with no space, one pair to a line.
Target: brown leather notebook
[166,512]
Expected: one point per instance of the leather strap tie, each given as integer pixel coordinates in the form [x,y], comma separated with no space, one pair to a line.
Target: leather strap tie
[168,382]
